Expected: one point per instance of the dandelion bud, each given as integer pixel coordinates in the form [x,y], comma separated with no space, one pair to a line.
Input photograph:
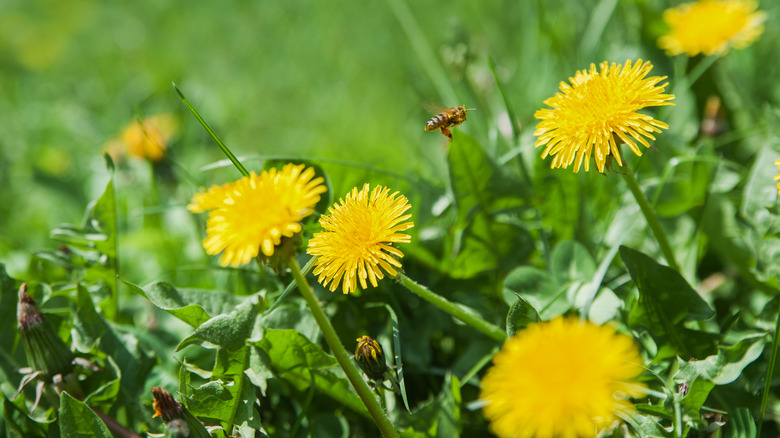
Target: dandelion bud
[46,352]
[179,421]
[371,358]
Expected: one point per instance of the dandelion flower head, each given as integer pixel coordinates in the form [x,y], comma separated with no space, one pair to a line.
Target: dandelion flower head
[356,243]
[146,139]
[777,177]
[597,111]
[251,215]
[711,27]
[563,378]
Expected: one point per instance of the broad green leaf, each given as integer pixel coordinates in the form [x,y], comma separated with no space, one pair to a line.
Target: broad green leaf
[520,316]
[698,391]
[571,261]
[90,329]
[482,191]
[487,244]
[295,359]
[193,306]
[17,422]
[759,191]
[665,298]
[687,188]
[230,330]
[727,365]
[537,287]
[78,420]
[259,369]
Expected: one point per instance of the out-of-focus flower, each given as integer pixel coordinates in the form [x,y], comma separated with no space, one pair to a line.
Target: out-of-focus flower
[252,215]
[146,139]
[777,177]
[358,238]
[597,112]
[563,378]
[711,27]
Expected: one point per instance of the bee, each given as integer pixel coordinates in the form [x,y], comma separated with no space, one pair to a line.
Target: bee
[447,119]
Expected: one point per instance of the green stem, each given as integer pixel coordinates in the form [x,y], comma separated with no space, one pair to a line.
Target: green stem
[769,373]
[652,219]
[453,309]
[344,359]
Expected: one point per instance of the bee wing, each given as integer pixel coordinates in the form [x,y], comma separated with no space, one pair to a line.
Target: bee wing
[434,108]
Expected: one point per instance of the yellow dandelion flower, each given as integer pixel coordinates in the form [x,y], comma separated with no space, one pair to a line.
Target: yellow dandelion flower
[711,27]
[254,213]
[358,238]
[598,110]
[563,378]
[145,139]
[777,177]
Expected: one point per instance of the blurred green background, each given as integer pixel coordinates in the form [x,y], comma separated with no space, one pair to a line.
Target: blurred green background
[347,85]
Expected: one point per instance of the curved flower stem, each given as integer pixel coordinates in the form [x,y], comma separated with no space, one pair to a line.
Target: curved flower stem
[344,359]
[453,309]
[652,219]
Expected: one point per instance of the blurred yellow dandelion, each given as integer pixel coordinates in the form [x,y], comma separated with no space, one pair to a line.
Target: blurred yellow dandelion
[145,139]
[358,237]
[711,27]
[252,215]
[777,177]
[598,110]
[563,378]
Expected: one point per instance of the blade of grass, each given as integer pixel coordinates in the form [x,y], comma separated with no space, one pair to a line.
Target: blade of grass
[211,132]
[399,365]
[598,22]
[422,48]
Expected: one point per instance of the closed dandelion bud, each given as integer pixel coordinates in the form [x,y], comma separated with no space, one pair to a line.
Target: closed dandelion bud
[46,351]
[371,358]
[178,420]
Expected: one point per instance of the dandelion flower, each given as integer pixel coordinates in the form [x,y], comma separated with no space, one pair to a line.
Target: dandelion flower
[777,177]
[563,378]
[711,27]
[598,110]
[145,139]
[358,237]
[254,213]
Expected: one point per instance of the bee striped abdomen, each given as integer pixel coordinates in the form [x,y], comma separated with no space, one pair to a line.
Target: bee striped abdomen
[447,119]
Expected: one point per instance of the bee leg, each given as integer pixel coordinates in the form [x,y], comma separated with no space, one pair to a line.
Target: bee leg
[446,132]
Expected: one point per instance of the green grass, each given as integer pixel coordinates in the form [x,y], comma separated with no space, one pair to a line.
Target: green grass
[348,87]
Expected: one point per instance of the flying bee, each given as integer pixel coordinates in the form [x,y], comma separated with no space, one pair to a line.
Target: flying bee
[447,119]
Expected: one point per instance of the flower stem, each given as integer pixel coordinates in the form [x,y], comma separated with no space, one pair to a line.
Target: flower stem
[652,219]
[344,359]
[453,309]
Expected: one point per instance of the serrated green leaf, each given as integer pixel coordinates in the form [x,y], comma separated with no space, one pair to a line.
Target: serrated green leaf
[77,420]
[487,244]
[193,306]
[230,330]
[295,358]
[727,365]
[520,316]
[759,193]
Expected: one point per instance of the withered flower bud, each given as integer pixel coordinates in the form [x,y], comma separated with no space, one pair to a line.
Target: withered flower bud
[179,421]
[46,352]
[371,358]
